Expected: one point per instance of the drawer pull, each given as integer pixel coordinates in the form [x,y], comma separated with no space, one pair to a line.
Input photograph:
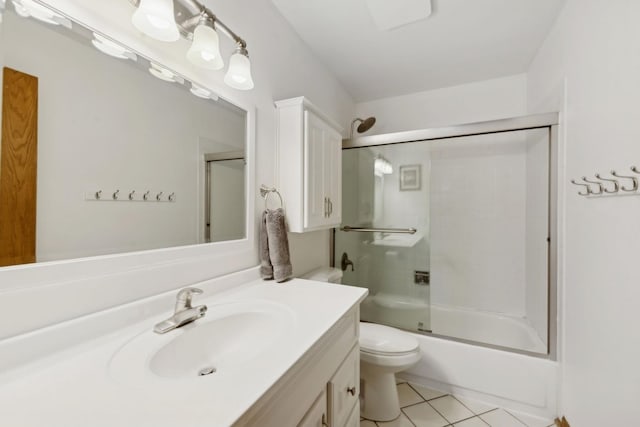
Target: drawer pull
[352,391]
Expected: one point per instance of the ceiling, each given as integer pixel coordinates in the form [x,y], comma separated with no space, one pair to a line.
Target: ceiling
[462,41]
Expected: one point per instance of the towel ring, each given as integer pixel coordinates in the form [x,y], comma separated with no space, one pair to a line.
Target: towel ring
[266,192]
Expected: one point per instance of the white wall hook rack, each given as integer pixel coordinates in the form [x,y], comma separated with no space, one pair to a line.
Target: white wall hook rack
[619,185]
[130,196]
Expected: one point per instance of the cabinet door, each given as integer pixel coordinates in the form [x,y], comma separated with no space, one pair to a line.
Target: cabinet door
[354,418]
[333,178]
[315,199]
[317,414]
[344,389]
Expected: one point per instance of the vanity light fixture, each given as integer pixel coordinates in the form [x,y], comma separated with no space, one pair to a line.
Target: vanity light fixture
[205,48]
[155,18]
[166,20]
[239,73]
[112,48]
[164,74]
[31,9]
[202,92]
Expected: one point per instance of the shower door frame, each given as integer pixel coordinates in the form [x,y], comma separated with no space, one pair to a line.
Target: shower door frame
[549,121]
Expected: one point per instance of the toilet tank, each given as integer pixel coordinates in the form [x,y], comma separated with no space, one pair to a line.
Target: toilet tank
[324,274]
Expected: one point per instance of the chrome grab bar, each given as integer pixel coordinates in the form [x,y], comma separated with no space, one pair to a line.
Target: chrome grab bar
[382,230]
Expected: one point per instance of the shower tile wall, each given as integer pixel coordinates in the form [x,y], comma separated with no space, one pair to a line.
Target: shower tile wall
[489,226]
[478,222]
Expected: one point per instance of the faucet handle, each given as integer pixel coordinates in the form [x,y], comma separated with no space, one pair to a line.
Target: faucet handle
[183,301]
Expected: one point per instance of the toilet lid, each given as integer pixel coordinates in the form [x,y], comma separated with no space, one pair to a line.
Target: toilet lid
[379,339]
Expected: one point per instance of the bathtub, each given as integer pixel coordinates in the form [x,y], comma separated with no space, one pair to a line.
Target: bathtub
[414,314]
[489,328]
[511,380]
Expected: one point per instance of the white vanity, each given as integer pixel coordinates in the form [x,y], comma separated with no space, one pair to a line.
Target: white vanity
[283,354]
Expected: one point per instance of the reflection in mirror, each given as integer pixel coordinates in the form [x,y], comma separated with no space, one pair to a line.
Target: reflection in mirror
[224,196]
[116,135]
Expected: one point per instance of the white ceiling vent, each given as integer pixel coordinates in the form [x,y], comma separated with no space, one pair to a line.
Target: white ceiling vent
[391,14]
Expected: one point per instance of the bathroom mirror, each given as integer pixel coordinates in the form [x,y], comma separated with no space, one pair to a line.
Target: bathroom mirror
[121,147]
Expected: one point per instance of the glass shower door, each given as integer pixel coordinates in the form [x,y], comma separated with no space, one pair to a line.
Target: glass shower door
[384,241]
[452,236]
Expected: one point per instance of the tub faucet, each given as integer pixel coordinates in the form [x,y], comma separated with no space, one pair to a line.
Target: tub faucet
[184,313]
[346,262]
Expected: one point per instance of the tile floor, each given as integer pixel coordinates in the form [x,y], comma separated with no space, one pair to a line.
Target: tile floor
[423,407]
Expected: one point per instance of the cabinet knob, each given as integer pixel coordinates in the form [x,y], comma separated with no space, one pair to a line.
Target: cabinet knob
[352,391]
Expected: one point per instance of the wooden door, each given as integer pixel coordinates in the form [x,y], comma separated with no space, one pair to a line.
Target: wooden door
[18,162]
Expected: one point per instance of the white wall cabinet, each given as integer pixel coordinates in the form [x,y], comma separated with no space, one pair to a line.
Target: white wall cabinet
[322,389]
[309,166]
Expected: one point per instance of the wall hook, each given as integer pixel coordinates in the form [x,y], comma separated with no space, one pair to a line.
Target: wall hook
[616,184]
[159,196]
[573,181]
[599,184]
[146,195]
[172,197]
[115,195]
[131,195]
[633,179]
[98,194]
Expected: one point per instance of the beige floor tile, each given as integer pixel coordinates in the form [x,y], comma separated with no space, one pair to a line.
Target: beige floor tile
[471,422]
[476,406]
[451,409]
[427,393]
[401,421]
[500,418]
[407,395]
[367,423]
[530,420]
[423,415]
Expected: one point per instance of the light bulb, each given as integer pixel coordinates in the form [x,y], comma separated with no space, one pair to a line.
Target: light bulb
[205,49]
[155,18]
[239,73]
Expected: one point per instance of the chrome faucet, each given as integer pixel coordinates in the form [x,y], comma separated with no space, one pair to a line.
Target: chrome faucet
[184,312]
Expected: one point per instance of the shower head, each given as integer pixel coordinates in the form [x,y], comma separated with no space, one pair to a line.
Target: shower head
[365,125]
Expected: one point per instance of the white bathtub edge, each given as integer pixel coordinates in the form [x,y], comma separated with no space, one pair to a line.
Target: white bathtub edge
[509,380]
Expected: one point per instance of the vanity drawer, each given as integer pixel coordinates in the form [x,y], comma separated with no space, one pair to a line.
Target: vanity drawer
[344,389]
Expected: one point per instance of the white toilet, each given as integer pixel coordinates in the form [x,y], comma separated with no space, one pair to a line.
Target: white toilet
[383,352]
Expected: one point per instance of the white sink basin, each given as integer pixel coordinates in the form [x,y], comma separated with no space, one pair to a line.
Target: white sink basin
[229,336]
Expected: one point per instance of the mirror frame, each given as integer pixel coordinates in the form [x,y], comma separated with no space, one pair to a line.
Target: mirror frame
[200,261]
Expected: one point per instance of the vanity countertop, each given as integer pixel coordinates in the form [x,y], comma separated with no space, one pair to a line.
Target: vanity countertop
[81,387]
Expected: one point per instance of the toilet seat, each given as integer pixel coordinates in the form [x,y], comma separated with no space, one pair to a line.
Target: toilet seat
[390,362]
[380,340]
